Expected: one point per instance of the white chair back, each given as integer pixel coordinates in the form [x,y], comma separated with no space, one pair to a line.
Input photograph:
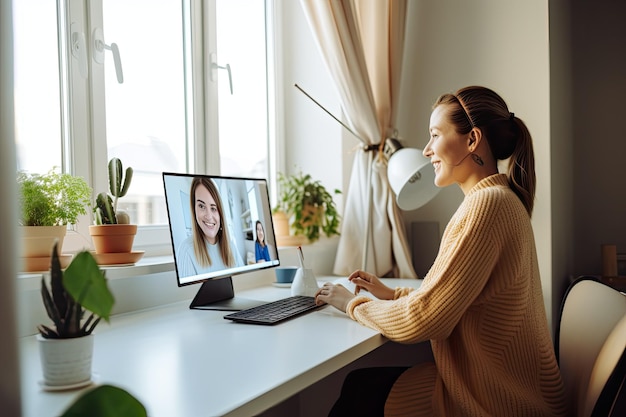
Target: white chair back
[590,313]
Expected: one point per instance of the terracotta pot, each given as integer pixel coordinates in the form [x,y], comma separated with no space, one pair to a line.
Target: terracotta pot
[113,238]
[66,362]
[281,223]
[281,227]
[37,241]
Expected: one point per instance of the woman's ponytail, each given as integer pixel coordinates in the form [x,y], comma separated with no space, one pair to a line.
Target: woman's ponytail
[521,173]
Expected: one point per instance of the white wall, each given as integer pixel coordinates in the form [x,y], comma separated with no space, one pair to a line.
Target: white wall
[450,44]
[314,141]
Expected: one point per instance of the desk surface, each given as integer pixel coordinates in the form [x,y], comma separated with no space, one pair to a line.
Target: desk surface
[183,362]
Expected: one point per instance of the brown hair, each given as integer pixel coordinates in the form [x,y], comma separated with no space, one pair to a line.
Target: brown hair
[507,135]
[199,240]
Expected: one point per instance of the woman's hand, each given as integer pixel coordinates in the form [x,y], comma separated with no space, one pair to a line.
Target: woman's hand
[370,282]
[334,294]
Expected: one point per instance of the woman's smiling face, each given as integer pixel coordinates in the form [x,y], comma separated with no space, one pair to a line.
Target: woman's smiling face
[207,214]
[447,149]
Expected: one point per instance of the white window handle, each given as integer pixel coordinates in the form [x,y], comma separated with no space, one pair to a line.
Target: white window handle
[79,49]
[215,67]
[98,53]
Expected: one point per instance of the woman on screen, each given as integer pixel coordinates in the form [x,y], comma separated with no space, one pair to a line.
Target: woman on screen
[261,251]
[208,248]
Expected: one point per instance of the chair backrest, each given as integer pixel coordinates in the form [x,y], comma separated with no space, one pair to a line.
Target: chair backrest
[590,313]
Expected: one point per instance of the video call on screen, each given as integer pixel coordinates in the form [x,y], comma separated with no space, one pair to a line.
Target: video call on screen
[244,203]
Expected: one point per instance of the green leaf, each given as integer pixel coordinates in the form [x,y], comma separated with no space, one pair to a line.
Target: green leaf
[86,283]
[106,401]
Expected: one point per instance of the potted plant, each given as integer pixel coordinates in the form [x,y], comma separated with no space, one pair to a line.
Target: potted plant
[66,347]
[48,203]
[308,206]
[112,232]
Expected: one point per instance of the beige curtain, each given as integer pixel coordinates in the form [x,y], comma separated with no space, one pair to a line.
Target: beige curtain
[362,44]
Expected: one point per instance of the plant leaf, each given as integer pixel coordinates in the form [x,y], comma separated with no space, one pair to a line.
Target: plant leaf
[86,283]
[106,401]
[59,295]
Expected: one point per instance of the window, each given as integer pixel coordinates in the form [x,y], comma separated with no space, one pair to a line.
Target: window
[243,111]
[37,92]
[173,111]
[145,115]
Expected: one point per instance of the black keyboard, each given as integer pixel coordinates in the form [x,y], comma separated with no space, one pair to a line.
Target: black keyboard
[275,311]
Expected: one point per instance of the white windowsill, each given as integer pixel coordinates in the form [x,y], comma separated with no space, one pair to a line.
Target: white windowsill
[145,266]
[320,255]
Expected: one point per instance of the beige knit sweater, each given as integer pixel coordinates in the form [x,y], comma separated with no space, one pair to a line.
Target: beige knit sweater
[481,307]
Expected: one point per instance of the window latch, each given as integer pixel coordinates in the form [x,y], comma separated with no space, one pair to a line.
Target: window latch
[215,67]
[79,49]
[98,53]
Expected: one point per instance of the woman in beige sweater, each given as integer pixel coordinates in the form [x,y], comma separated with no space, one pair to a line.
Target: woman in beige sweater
[480,304]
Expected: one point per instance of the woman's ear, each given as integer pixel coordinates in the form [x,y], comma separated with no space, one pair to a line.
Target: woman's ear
[475,137]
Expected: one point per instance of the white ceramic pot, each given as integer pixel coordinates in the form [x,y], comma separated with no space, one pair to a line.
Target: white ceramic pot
[66,362]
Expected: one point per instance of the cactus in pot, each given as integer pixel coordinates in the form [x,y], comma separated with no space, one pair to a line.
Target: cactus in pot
[112,231]
[106,206]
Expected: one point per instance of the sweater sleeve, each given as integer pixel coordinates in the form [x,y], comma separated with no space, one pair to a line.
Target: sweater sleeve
[470,248]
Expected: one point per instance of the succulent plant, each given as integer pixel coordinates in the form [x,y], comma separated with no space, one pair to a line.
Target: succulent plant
[82,287]
[105,209]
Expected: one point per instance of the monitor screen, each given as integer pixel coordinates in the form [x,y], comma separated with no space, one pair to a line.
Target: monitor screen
[220,226]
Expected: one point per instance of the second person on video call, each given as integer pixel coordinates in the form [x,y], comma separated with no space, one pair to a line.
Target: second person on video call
[261,250]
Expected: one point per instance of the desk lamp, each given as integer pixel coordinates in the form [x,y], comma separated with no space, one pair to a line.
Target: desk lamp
[410,174]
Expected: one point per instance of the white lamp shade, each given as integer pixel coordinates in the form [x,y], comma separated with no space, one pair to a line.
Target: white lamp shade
[412,178]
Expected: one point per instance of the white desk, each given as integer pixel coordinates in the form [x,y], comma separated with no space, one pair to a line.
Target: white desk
[183,362]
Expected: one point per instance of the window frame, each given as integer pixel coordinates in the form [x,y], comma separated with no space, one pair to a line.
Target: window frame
[84,109]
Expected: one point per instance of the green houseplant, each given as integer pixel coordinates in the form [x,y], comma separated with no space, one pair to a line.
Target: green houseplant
[48,203]
[52,199]
[112,232]
[106,206]
[80,289]
[82,286]
[308,205]
[66,346]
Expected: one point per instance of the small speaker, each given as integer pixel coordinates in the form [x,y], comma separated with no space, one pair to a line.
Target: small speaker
[425,241]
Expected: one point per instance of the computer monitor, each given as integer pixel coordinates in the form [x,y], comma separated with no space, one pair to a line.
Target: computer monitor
[220,227]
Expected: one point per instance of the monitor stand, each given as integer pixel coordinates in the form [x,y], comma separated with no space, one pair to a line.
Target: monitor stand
[218,294]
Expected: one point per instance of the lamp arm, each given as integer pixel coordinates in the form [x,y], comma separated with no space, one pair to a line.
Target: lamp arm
[331,115]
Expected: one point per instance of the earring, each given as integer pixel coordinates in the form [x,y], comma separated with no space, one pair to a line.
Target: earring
[478,159]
